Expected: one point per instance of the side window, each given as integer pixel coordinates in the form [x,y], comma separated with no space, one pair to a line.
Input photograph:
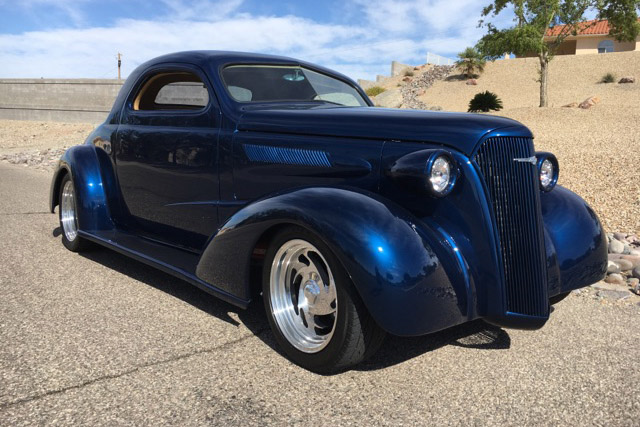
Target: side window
[172,91]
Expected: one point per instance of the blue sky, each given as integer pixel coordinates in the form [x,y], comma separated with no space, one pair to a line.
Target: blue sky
[80,38]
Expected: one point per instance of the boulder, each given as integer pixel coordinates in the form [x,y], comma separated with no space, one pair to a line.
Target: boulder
[589,102]
[391,98]
[472,82]
[627,79]
[636,272]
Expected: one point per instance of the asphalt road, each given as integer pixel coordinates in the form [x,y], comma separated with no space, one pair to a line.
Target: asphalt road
[98,339]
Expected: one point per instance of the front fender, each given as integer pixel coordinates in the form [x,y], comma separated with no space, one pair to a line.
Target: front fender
[399,265]
[82,162]
[576,244]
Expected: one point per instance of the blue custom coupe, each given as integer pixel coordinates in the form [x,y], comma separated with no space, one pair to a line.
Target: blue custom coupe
[254,176]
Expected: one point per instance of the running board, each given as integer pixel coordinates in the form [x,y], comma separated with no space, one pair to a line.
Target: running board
[183,264]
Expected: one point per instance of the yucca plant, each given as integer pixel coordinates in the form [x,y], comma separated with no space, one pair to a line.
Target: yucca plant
[470,61]
[485,102]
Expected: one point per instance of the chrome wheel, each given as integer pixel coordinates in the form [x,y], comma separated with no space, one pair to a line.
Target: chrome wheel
[68,212]
[303,296]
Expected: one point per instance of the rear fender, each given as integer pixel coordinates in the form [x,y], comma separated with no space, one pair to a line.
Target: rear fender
[82,162]
[396,262]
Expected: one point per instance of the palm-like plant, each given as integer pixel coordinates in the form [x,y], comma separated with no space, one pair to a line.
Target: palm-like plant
[470,61]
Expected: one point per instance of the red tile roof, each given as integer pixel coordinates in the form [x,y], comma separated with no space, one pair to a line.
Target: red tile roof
[584,28]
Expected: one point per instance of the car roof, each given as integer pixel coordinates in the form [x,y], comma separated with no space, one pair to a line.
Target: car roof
[216,58]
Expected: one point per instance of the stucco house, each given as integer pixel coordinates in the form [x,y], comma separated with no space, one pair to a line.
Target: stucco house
[592,37]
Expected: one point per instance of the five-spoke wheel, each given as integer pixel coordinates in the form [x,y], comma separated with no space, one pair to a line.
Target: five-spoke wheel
[314,310]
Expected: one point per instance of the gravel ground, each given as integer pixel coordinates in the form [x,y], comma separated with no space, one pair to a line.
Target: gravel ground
[99,339]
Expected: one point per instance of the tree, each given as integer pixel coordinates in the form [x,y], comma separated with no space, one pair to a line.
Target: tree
[470,61]
[534,17]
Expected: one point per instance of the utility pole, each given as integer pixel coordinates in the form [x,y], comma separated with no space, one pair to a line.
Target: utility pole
[119,63]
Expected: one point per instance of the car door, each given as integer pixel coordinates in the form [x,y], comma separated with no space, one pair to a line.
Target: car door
[166,156]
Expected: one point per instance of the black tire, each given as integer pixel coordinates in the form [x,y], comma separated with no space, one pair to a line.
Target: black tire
[77,243]
[356,335]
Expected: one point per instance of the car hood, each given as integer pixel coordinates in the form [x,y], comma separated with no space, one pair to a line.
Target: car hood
[461,131]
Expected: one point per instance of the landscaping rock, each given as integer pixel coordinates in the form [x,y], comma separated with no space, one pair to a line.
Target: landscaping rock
[627,79]
[613,267]
[620,236]
[411,90]
[615,279]
[472,82]
[625,265]
[589,102]
[616,246]
[633,259]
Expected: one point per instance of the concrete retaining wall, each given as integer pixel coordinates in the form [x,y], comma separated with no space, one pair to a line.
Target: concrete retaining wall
[398,68]
[62,100]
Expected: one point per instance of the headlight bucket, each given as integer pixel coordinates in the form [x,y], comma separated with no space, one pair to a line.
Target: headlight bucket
[441,172]
[548,170]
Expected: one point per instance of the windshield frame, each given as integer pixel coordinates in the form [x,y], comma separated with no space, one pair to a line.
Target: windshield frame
[310,67]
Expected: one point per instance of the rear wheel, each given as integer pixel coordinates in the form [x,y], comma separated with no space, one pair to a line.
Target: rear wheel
[313,309]
[68,214]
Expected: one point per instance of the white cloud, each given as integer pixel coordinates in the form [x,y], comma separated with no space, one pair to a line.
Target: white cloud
[391,30]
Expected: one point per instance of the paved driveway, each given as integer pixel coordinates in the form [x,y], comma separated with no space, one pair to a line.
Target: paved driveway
[98,339]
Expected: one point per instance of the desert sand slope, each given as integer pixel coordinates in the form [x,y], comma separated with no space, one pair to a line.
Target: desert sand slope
[571,78]
[598,149]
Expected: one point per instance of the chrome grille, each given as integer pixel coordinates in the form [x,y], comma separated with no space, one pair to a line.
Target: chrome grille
[515,196]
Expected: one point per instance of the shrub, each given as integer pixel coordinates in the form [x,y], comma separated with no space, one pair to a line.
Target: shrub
[408,73]
[374,90]
[485,101]
[608,78]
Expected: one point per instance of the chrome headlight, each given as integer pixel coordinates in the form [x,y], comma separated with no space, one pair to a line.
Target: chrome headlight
[441,173]
[547,170]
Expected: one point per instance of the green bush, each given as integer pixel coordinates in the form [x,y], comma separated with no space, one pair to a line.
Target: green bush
[485,101]
[374,90]
[408,73]
[608,78]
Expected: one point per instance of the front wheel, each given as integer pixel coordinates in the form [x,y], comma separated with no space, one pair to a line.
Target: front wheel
[313,309]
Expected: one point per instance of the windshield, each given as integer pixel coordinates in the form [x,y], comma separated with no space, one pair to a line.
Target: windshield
[266,83]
